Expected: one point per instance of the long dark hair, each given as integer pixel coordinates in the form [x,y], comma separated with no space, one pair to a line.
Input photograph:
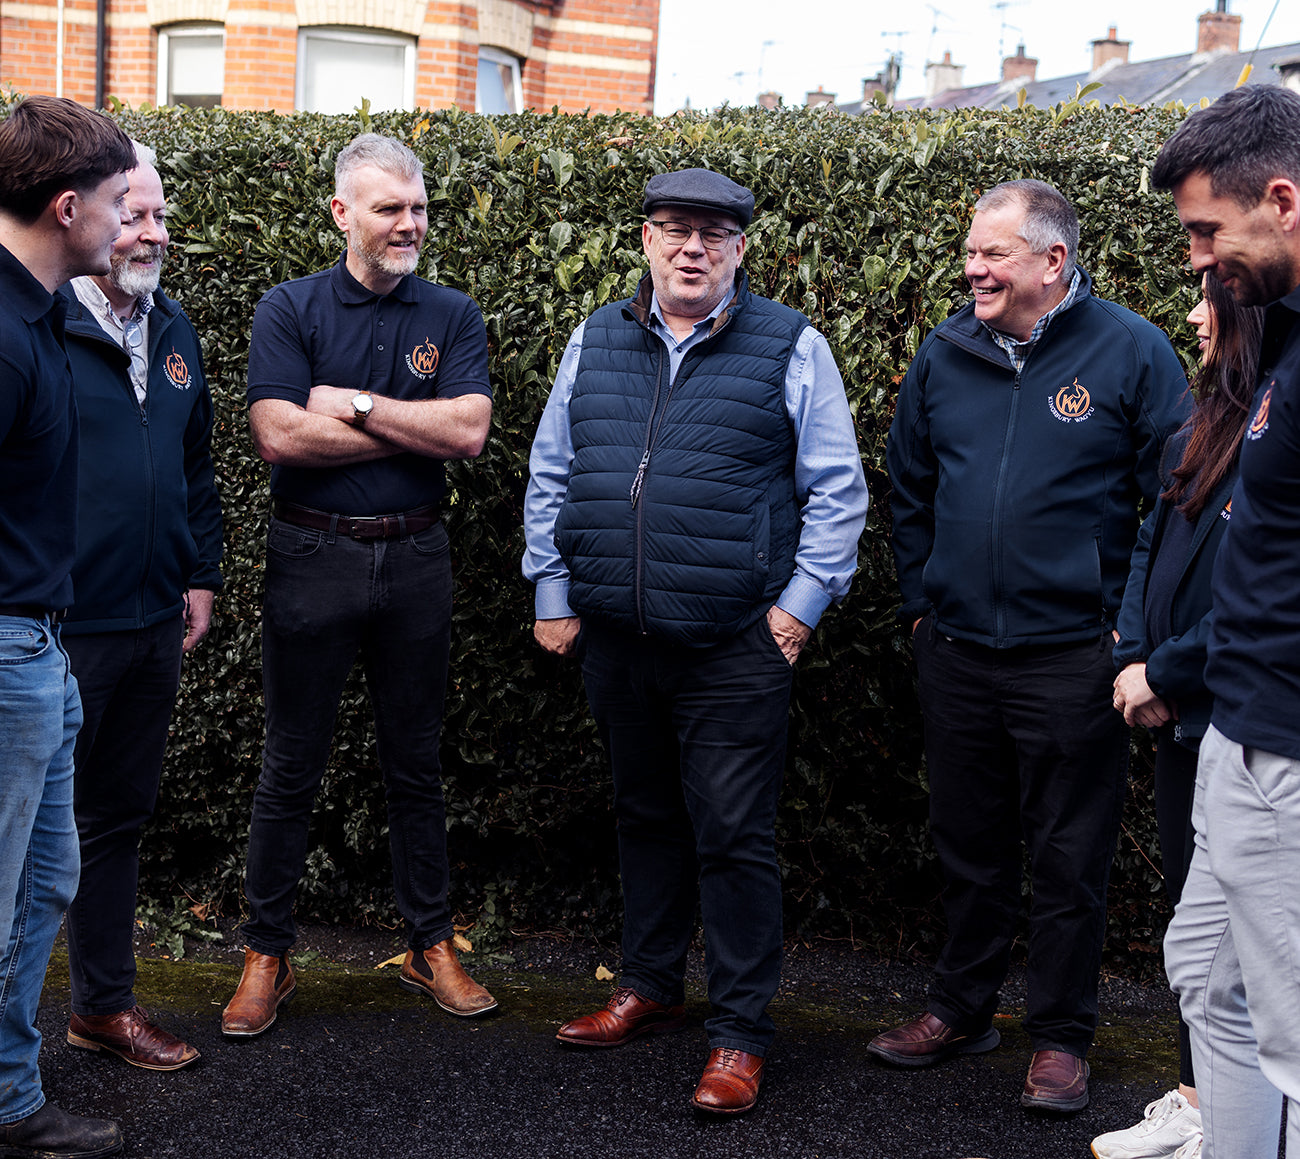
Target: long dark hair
[1224,388]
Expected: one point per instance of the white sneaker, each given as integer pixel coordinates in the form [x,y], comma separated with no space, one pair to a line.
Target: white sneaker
[1168,1125]
[1191,1149]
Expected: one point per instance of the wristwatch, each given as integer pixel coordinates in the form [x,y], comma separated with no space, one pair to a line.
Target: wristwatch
[362,405]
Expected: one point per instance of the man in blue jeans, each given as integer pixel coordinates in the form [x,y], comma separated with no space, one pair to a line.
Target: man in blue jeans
[62,206]
[694,507]
[362,380]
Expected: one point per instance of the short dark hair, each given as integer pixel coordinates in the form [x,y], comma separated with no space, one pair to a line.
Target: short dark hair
[1243,141]
[1049,217]
[49,144]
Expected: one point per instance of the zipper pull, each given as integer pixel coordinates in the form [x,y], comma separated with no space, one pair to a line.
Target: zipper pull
[639,481]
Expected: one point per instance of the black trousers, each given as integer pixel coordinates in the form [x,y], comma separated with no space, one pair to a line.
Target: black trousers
[128,683]
[1025,753]
[697,741]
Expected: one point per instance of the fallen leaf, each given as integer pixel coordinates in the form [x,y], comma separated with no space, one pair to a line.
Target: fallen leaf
[397,960]
[604,975]
[462,943]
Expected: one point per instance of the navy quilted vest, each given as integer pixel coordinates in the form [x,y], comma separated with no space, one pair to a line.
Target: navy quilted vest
[680,520]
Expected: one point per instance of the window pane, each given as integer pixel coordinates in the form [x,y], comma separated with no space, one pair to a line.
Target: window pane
[194,69]
[497,84]
[338,73]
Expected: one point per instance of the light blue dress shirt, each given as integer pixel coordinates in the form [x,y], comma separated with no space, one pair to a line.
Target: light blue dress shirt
[828,480]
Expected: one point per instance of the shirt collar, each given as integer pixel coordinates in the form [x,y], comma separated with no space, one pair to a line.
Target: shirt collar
[27,296]
[1009,340]
[657,318]
[352,293]
[96,301]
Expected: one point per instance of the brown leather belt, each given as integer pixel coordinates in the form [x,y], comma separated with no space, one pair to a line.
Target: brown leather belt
[357,526]
[33,612]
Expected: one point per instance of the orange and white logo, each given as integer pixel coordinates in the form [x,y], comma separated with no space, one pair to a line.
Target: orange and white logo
[1259,424]
[423,360]
[1071,404]
[177,373]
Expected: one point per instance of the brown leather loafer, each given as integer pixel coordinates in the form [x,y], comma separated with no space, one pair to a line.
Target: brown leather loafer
[437,973]
[131,1036]
[626,1016]
[926,1040]
[729,1085]
[1056,1082]
[266,984]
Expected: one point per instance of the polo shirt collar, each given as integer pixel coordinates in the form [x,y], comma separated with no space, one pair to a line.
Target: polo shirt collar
[352,293]
[28,297]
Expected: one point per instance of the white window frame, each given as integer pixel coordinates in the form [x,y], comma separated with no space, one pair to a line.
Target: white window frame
[499,57]
[349,34]
[184,31]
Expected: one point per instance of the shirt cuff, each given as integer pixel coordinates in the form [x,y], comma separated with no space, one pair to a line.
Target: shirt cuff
[551,600]
[804,599]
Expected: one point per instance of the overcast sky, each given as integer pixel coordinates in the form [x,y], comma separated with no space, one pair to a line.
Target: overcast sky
[711,51]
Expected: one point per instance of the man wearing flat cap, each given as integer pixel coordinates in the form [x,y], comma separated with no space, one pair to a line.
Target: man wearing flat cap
[694,506]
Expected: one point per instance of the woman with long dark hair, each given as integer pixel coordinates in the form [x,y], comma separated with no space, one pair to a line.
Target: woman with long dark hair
[1164,626]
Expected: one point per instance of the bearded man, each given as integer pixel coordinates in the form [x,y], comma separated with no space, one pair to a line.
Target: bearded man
[145,578]
[362,380]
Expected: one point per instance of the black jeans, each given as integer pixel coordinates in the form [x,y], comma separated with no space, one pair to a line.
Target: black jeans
[697,740]
[128,683]
[328,600]
[1024,749]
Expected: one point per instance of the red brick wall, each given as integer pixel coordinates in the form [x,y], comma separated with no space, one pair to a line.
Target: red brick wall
[261,58]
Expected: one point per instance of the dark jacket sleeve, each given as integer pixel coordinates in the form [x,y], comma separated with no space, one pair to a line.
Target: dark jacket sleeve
[204,503]
[1131,622]
[913,474]
[1164,404]
[1176,669]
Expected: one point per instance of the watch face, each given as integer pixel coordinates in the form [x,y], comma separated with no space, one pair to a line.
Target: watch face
[363,404]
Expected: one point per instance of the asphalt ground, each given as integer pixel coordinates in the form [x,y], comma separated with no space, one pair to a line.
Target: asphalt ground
[357,1067]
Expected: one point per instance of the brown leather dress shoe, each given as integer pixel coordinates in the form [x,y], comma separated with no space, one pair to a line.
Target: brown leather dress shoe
[437,973]
[130,1035]
[729,1085]
[926,1040]
[266,984]
[626,1016]
[1056,1082]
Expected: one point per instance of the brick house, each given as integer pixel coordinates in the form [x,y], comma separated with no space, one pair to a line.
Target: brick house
[326,55]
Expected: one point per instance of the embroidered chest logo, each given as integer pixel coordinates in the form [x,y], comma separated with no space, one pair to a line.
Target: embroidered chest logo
[1259,424]
[1071,404]
[176,372]
[1226,513]
[423,360]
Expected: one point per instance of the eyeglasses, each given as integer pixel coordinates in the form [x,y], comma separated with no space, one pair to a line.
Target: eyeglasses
[133,334]
[714,237]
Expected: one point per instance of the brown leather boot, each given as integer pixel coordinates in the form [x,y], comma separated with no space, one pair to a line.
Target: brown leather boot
[437,973]
[266,985]
[131,1036]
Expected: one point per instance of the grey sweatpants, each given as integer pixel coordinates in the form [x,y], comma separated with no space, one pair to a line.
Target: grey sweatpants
[1233,948]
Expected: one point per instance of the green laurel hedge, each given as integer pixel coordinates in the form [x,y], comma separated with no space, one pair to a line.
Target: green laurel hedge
[860,223]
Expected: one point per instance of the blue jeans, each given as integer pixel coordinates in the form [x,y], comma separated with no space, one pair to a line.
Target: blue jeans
[330,599]
[40,714]
[697,740]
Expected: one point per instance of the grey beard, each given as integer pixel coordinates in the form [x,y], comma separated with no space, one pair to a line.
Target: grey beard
[133,282]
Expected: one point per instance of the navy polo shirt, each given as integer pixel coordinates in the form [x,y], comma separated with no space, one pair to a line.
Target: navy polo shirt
[1254,661]
[38,444]
[420,341]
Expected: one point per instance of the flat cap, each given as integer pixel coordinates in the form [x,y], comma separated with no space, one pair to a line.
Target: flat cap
[701,188]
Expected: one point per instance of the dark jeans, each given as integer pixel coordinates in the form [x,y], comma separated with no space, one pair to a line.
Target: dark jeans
[128,683]
[697,738]
[329,599]
[1024,748]
[1175,789]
